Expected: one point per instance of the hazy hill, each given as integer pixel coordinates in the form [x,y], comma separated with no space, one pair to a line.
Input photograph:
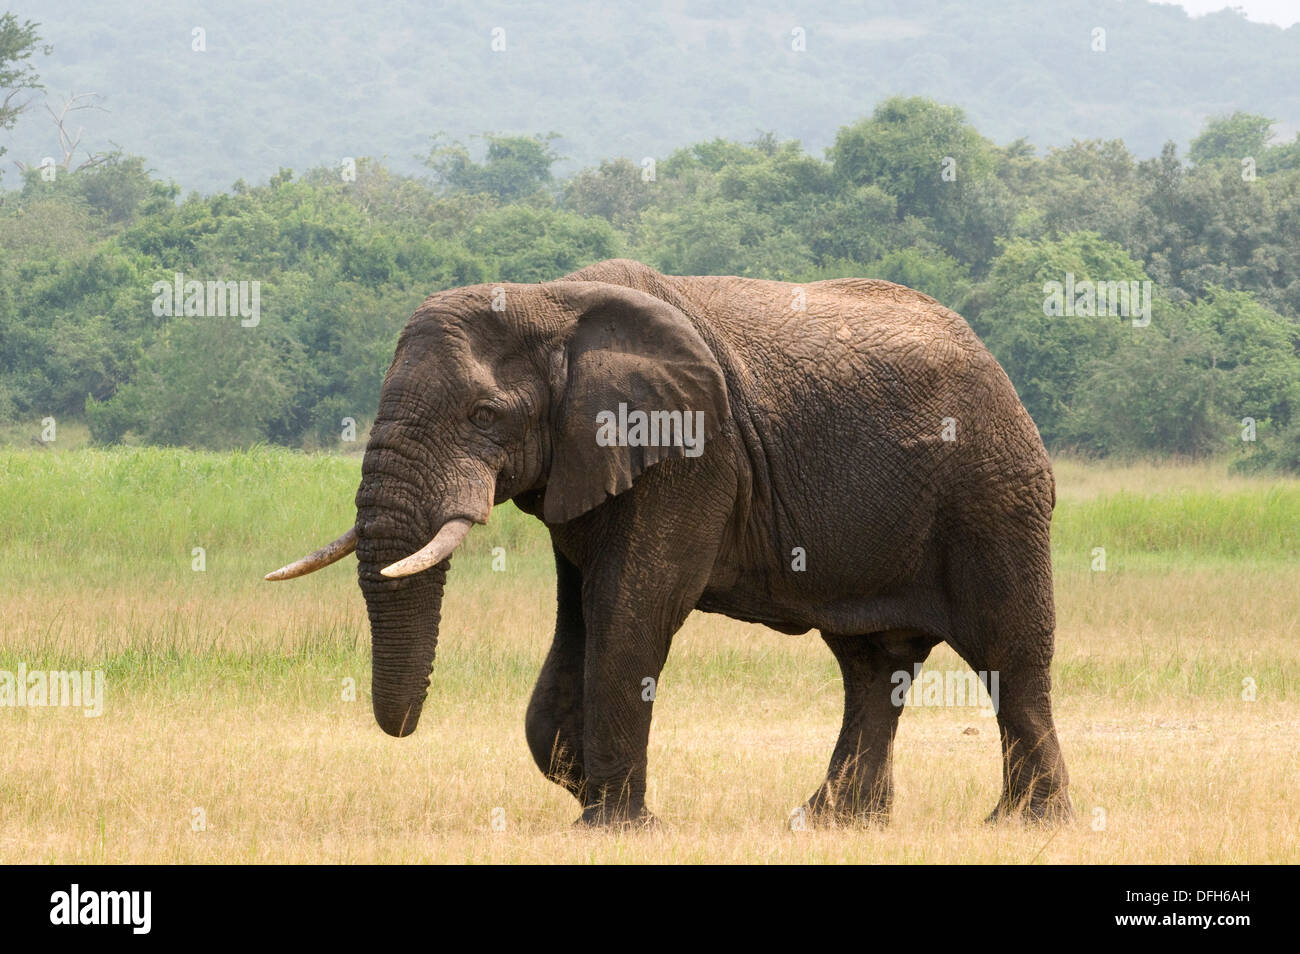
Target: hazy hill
[299,83]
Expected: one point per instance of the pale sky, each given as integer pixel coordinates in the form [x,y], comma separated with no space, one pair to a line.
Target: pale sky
[1281,12]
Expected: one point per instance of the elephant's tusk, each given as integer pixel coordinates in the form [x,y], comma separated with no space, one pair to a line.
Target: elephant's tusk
[435,551]
[330,553]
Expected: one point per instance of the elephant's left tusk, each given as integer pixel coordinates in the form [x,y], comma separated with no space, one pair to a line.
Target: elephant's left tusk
[435,551]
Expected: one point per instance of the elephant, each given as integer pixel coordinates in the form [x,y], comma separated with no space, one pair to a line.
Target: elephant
[850,458]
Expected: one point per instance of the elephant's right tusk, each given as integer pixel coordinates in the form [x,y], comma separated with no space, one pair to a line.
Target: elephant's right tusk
[330,553]
[435,551]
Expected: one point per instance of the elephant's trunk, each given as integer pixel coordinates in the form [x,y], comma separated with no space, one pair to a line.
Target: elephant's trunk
[411,514]
[404,617]
[404,613]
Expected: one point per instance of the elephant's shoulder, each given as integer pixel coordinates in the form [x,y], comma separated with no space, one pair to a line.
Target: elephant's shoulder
[879,291]
[616,271]
[881,307]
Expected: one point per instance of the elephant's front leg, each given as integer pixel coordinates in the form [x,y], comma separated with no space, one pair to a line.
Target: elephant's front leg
[629,631]
[624,660]
[647,559]
[553,724]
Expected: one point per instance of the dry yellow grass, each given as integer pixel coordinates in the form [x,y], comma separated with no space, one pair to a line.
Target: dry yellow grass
[225,695]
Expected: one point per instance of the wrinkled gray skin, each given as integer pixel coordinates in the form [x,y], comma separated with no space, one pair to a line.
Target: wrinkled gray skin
[825,432]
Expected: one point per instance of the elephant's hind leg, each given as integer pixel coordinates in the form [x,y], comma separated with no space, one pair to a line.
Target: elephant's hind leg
[859,782]
[554,721]
[1004,623]
[1035,782]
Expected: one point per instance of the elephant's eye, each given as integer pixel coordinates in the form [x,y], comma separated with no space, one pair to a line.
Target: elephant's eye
[484,415]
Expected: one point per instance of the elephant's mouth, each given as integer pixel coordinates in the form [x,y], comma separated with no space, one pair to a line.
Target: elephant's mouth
[440,547]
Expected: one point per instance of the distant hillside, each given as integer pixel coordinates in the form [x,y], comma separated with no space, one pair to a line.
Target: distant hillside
[305,82]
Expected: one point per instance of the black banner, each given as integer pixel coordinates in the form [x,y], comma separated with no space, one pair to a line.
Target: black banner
[140,904]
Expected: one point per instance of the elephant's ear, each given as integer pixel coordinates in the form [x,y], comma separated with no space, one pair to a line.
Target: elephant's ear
[628,354]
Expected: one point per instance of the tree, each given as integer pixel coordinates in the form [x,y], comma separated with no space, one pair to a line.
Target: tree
[1256,350]
[1155,395]
[117,186]
[1186,384]
[927,270]
[1278,452]
[1231,137]
[208,383]
[1212,226]
[18,41]
[1094,186]
[70,140]
[938,168]
[904,147]
[1047,353]
[342,259]
[535,245]
[616,192]
[515,166]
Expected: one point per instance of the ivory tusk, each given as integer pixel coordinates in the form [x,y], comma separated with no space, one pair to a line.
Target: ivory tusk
[330,553]
[434,552]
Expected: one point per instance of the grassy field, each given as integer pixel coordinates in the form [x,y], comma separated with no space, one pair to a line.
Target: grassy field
[226,707]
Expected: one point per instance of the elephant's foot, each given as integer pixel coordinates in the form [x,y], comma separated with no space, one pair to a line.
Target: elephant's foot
[845,807]
[614,805]
[1045,809]
[596,817]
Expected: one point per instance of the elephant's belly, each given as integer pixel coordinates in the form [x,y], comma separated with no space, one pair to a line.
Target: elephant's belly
[918,606]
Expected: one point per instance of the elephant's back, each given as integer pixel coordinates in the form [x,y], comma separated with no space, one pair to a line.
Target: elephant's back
[867,376]
[848,341]
[854,368]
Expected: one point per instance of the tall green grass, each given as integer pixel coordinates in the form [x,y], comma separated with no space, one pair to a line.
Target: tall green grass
[97,516]
[1185,526]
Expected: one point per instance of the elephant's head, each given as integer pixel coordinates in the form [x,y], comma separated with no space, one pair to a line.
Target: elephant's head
[494,392]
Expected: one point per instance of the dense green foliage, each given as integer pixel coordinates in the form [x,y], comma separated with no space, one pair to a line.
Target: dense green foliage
[914,194]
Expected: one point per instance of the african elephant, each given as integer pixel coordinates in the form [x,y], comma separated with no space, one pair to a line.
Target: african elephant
[842,455]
